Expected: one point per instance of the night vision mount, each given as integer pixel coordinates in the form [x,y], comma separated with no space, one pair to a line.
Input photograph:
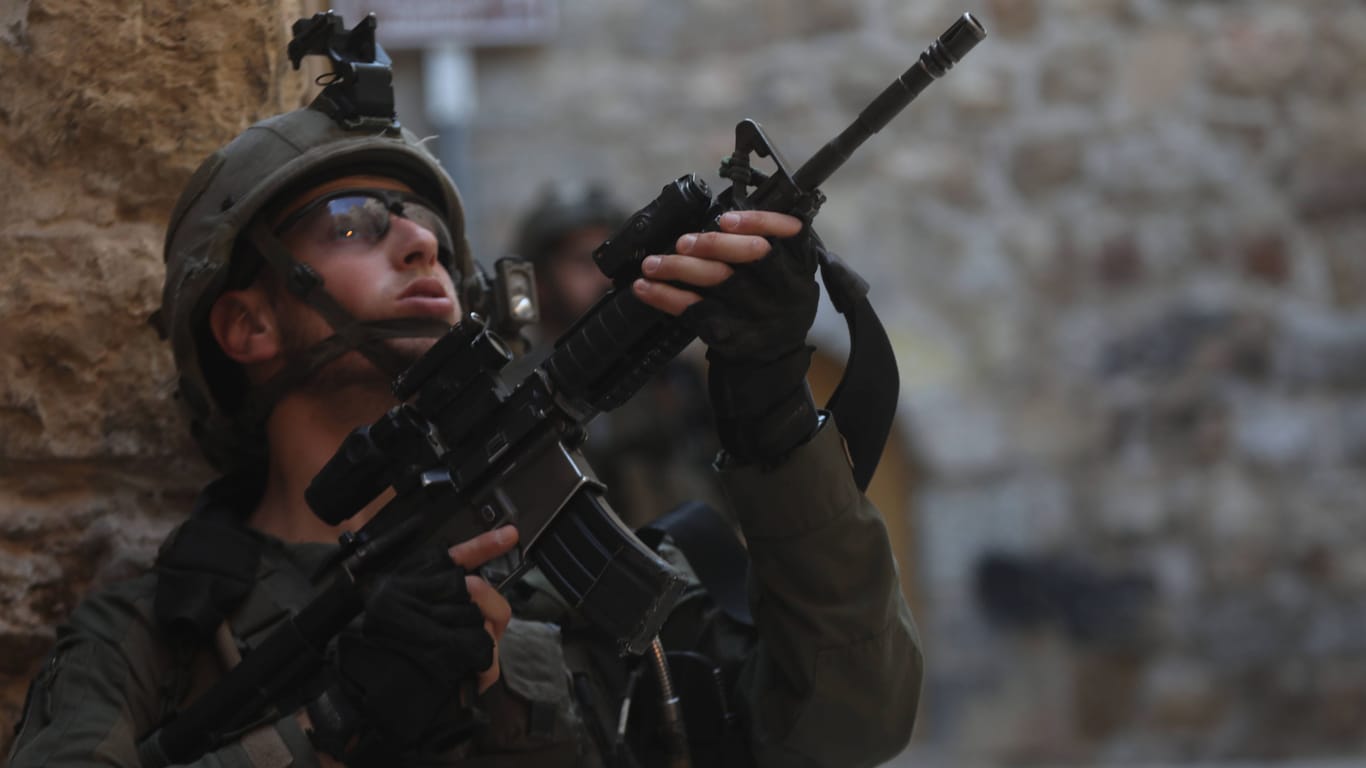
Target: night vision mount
[359,90]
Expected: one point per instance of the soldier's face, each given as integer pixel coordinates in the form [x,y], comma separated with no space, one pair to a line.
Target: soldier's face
[571,279]
[375,272]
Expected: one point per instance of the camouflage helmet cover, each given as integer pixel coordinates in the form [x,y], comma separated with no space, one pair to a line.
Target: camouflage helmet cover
[279,155]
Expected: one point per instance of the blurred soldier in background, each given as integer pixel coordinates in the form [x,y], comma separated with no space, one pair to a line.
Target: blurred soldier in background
[656,450]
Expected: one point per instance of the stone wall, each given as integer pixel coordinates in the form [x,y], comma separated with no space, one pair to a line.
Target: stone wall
[1122,253]
[105,110]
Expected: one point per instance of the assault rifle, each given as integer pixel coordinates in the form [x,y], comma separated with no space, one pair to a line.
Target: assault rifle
[464,452]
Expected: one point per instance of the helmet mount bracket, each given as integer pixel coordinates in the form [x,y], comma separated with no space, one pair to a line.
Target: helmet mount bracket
[359,90]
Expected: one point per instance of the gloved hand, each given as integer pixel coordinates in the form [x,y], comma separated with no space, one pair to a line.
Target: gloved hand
[400,677]
[763,311]
[755,325]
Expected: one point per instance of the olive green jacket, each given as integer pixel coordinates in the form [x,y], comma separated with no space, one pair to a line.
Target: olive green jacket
[829,677]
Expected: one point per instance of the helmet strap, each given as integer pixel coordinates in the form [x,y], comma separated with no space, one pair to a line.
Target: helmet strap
[348,333]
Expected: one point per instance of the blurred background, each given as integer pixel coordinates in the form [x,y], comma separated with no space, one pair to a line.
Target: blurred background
[1120,251]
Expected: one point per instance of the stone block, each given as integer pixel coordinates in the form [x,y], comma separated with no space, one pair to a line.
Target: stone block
[1043,165]
[706,28]
[1240,54]
[1011,18]
[981,94]
[1240,631]
[806,18]
[1157,72]
[1055,428]
[1345,261]
[87,373]
[1333,630]
[961,524]
[1319,348]
[14,22]
[1076,74]
[21,577]
[1034,245]
[1323,531]
[1331,184]
[915,21]
[1081,12]
[1182,694]
[1265,258]
[1027,710]
[1179,581]
[1106,695]
[1248,125]
[1335,57]
[1345,26]
[1129,500]
[943,171]
[1119,262]
[1161,168]
[1164,345]
[959,435]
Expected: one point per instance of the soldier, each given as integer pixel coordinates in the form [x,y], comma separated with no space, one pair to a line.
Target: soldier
[558,234]
[656,450]
[309,261]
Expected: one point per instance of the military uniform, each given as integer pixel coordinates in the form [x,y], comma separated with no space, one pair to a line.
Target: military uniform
[828,676]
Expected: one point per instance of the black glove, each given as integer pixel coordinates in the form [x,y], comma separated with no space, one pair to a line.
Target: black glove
[755,326]
[400,677]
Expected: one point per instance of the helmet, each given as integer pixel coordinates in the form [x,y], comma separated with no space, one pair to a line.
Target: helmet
[272,159]
[555,215]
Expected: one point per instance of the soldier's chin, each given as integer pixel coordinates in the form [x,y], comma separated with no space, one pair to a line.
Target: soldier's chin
[410,350]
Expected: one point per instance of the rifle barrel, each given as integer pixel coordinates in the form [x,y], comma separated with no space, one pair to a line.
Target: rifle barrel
[934,62]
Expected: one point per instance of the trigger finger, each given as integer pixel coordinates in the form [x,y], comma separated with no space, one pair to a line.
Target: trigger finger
[477,551]
[490,676]
[496,609]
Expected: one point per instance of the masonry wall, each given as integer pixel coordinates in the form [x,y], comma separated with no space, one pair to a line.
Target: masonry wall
[1119,250]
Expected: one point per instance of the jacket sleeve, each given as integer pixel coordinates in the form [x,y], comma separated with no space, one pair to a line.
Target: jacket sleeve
[106,686]
[835,679]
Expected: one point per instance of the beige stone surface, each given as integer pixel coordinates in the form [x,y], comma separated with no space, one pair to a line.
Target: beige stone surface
[105,110]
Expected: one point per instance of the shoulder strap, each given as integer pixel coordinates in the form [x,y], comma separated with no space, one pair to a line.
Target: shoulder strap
[207,566]
[864,403]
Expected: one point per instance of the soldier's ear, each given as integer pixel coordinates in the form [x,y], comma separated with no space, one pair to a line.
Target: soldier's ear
[245,325]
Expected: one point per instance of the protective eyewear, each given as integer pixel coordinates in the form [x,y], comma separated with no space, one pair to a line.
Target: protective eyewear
[360,217]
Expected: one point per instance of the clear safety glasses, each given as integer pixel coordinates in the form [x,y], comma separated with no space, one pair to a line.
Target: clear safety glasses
[360,218]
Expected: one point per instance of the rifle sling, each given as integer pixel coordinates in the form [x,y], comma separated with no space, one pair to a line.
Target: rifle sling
[864,403]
